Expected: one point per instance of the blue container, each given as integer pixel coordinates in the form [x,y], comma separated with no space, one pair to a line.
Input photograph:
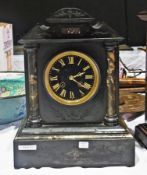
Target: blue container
[12,109]
[12,97]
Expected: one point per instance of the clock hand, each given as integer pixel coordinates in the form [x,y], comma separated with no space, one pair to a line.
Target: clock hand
[85,86]
[78,74]
[71,77]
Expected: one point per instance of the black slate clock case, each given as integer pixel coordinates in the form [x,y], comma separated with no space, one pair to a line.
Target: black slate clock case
[91,111]
[90,134]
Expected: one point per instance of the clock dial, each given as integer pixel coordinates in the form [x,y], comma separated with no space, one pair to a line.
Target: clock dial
[71,78]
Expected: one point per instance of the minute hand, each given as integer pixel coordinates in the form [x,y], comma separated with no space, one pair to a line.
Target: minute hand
[80,84]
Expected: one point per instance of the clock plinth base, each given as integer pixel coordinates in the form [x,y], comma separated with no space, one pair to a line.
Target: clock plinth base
[98,147]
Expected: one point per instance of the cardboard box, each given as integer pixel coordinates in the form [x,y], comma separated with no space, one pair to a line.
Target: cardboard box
[6,47]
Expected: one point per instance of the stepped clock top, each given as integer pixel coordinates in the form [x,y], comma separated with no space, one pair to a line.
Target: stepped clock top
[70,23]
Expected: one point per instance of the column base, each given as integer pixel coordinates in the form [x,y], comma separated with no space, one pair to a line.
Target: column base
[34,123]
[111,121]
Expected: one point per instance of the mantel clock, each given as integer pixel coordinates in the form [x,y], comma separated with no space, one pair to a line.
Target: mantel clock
[71,64]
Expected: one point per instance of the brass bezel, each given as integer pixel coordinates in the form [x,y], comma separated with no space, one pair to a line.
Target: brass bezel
[92,90]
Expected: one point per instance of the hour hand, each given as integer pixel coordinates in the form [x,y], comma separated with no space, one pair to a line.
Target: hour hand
[78,74]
